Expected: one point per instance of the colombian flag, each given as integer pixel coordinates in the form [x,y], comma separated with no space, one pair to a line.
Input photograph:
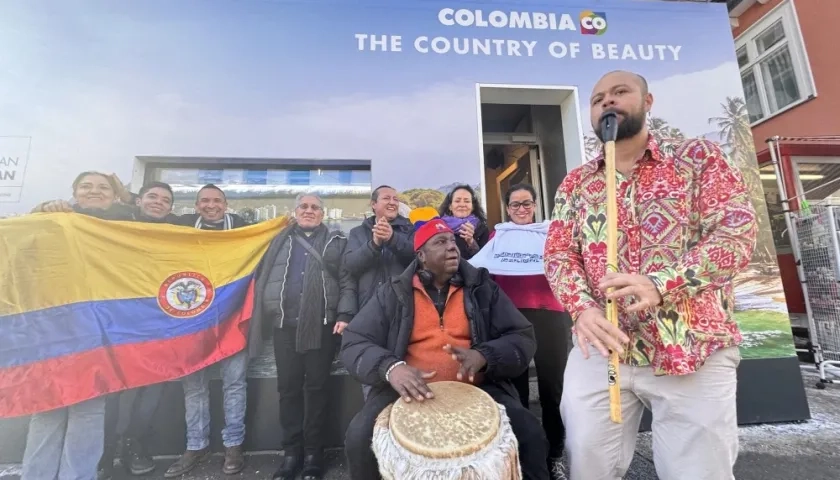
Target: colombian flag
[89,307]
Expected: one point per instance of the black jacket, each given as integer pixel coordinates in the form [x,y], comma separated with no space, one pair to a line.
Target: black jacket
[116,212]
[380,333]
[125,213]
[372,266]
[192,220]
[328,291]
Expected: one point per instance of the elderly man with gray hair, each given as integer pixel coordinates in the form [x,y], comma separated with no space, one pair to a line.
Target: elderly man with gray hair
[305,292]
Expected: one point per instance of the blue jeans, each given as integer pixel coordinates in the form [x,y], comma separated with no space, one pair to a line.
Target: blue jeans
[197,403]
[65,443]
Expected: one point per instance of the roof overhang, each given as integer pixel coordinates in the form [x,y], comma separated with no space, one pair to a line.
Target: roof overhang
[738,7]
[828,146]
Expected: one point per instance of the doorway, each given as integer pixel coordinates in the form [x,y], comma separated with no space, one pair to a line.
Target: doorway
[522,165]
[528,135]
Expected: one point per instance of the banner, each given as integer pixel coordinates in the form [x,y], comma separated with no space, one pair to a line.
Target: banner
[90,307]
[14,155]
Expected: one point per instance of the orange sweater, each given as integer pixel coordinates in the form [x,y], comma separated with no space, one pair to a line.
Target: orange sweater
[431,333]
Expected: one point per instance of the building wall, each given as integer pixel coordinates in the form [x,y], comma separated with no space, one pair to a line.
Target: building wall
[817,22]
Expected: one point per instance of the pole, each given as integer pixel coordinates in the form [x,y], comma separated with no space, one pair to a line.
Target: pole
[773,147]
[609,132]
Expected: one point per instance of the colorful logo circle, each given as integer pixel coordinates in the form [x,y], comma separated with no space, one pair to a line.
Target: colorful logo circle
[185,294]
[593,23]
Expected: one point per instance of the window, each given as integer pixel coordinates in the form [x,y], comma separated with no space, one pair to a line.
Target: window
[774,70]
[262,193]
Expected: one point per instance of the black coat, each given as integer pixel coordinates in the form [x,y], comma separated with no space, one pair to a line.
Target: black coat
[372,266]
[380,333]
[191,220]
[125,213]
[328,291]
[116,212]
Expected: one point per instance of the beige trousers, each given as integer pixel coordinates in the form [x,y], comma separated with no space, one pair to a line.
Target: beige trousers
[695,428]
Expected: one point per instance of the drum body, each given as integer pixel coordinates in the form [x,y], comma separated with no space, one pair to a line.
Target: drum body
[461,434]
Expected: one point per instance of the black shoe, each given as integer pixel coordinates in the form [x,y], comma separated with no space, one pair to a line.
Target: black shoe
[189,460]
[289,468]
[105,473]
[134,458]
[313,467]
[234,460]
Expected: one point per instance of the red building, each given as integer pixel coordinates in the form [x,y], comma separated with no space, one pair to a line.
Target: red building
[790,69]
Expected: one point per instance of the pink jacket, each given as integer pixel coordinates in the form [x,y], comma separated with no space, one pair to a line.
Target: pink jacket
[532,291]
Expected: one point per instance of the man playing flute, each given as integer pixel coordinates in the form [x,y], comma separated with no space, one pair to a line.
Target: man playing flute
[686,227]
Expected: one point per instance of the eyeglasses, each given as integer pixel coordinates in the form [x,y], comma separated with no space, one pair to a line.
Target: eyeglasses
[526,205]
[306,206]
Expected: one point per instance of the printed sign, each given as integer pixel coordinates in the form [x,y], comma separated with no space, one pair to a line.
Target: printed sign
[14,155]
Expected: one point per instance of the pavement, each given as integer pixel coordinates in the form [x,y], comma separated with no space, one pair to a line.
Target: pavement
[805,450]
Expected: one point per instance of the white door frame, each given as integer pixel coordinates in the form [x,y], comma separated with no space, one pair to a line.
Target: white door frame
[564,96]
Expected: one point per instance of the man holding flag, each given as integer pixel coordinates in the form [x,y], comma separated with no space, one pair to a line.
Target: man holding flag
[211,204]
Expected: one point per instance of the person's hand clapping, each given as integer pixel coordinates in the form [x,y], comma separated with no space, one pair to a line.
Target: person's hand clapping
[410,383]
[382,231]
[592,328]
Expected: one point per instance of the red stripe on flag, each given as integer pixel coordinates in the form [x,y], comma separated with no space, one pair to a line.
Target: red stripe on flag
[63,381]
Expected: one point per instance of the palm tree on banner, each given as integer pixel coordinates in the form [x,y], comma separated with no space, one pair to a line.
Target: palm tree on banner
[734,127]
[591,146]
[663,131]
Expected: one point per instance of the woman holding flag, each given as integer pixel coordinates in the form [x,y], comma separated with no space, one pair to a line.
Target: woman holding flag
[514,256]
[68,442]
[62,442]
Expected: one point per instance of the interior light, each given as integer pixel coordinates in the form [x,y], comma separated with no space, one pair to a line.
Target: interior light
[806,176]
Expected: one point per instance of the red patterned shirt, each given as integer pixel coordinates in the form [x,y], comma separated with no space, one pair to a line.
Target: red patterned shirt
[685,220]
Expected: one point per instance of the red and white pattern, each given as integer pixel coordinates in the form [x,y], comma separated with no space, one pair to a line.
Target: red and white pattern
[685,220]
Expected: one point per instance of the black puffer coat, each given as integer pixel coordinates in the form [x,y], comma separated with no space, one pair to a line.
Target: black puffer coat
[328,290]
[381,331]
[372,266]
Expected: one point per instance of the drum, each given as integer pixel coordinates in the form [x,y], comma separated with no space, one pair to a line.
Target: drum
[461,434]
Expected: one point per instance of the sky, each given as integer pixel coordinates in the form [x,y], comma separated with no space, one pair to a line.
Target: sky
[95,83]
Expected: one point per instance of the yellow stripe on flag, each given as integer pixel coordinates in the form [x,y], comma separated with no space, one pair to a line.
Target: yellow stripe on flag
[54,259]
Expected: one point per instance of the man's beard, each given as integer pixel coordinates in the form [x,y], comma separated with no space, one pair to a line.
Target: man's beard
[627,128]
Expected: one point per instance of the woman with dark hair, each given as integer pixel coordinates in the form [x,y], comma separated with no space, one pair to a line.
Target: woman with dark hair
[464,215]
[525,283]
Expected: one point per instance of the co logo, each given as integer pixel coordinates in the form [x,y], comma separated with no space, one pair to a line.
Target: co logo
[593,23]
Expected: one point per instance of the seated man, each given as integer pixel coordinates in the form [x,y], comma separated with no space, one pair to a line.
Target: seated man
[442,319]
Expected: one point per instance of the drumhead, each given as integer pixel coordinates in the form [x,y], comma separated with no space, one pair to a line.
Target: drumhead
[461,420]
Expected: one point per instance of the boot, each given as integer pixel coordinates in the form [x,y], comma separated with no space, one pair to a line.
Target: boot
[289,467]
[105,469]
[313,467]
[134,458]
[234,460]
[189,460]
[105,472]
